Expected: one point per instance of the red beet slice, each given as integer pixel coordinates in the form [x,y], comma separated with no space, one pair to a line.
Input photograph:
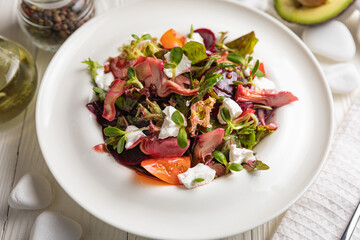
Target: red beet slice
[132,156]
[208,37]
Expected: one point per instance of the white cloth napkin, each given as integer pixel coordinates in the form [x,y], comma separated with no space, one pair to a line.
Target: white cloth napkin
[324,211]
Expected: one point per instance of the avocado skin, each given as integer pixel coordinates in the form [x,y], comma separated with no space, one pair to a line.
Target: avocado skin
[319,15]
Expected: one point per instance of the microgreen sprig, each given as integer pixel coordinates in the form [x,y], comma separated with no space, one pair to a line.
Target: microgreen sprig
[117,137]
[131,73]
[221,158]
[182,138]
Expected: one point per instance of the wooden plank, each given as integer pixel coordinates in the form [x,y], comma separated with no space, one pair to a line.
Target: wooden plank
[10,132]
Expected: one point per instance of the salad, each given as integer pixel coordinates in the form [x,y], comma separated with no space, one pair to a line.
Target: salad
[185,109]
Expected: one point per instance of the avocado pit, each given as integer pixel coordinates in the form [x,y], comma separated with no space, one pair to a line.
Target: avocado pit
[312,3]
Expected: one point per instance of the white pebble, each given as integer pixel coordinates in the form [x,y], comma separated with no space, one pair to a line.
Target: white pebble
[33,191]
[357,4]
[342,77]
[54,226]
[332,40]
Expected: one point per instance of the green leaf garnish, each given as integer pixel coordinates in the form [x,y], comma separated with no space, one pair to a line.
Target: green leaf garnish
[169,65]
[243,45]
[197,180]
[220,157]
[98,90]
[182,140]
[226,64]
[210,82]
[191,32]
[176,55]
[131,73]
[225,114]
[195,51]
[92,66]
[236,58]
[136,37]
[259,74]
[113,132]
[146,37]
[177,118]
[237,167]
[255,69]
[121,145]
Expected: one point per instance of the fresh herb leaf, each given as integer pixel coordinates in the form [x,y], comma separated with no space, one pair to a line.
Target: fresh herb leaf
[121,145]
[255,69]
[177,118]
[236,58]
[210,82]
[243,45]
[195,51]
[197,180]
[136,37]
[225,114]
[146,37]
[169,65]
[92,66]
[98,90]
[228,130]
[191,32]
[113,132]
[259,74]
[176,55]
[261,166]
[182,140]
[131,73]
[226,65]
[220,157]
[237,167]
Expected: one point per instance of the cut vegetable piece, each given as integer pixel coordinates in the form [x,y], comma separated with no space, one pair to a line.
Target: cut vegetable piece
[208,37]
[293,11]
[162,148]
[116,90]
[171,39]
[267,97]
[167,169]
[206,144]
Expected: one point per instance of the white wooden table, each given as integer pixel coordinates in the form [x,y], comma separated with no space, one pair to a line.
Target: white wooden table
[20,152]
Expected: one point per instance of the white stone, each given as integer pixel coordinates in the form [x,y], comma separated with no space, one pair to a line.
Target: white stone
[33,191]
[131,138]
[332,40]
[357,4]
[54,226]
[200,171]
[342,77]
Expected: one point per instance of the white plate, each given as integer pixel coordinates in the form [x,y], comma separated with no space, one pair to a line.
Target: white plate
[229,205]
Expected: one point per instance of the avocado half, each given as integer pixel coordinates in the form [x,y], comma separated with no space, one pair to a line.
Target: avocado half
[293,11]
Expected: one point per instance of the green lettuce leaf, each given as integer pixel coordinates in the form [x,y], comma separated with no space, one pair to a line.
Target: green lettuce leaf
[243,45]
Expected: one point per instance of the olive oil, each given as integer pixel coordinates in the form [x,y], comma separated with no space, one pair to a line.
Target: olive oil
[18,79]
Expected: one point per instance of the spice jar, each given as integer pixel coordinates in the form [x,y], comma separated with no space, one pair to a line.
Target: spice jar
[50,22]
[18,79]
